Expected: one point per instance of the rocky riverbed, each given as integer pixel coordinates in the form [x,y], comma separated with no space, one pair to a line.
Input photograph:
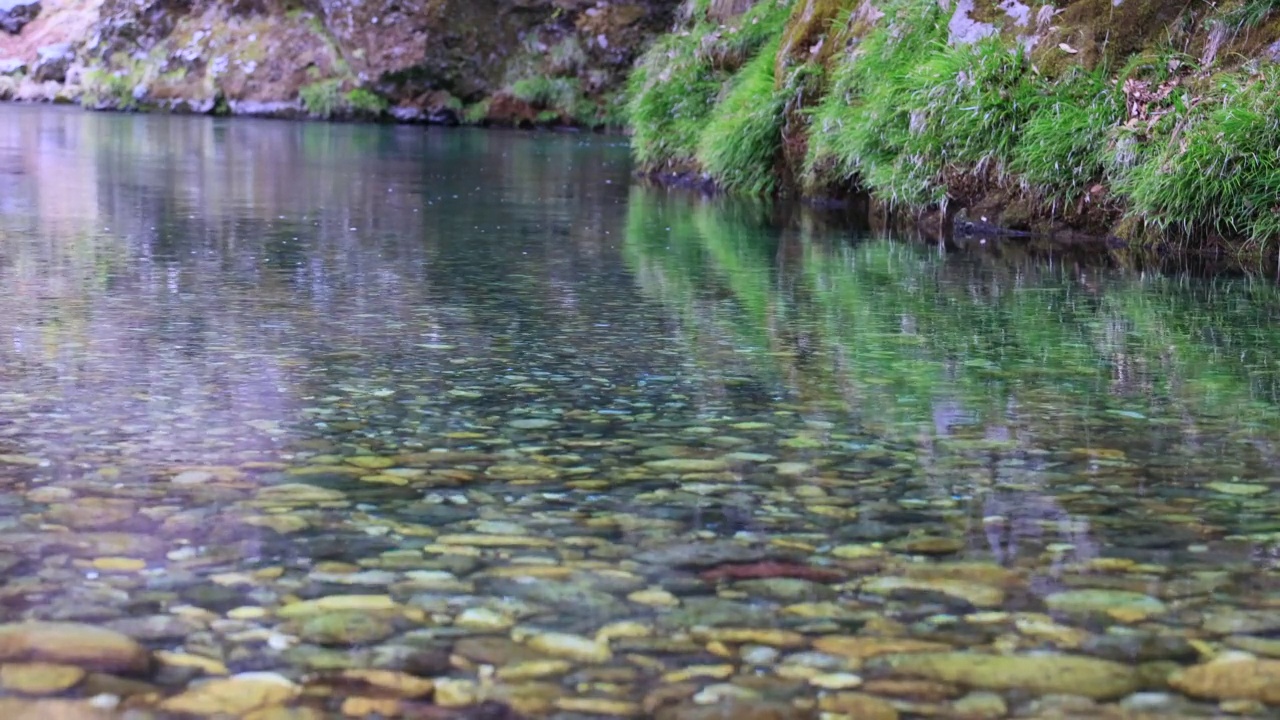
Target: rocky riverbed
[748,568]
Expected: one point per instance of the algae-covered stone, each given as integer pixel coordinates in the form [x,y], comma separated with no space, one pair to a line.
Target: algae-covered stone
[335,603]
[1104,601]
[346,627]
[568,646]
[1232,677]
[84,646]
[687,465]
[1230,621]
[12,708]
[1045,674]
[862,648]
[983,596]
[858,705]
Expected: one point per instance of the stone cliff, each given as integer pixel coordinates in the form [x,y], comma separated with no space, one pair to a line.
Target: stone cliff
[518,62]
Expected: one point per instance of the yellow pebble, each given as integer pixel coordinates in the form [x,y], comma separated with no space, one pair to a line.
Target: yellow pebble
[208,665]
[119,564]
[247,612]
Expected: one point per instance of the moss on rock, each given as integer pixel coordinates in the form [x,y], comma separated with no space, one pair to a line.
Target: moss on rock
[1086,112]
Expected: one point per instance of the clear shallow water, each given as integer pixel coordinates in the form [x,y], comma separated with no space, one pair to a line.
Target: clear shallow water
[584,448]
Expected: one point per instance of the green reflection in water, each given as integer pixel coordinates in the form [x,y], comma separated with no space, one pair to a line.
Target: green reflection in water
[914,340]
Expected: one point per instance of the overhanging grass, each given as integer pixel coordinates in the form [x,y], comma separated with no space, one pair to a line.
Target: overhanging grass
[1061,150]
[678,82]
[671,92]
[907,111]
[1219,168]
[740,143]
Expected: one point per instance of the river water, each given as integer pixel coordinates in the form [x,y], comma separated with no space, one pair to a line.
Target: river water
[354,421]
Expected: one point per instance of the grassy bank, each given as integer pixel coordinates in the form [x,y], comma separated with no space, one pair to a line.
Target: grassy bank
[1149,121]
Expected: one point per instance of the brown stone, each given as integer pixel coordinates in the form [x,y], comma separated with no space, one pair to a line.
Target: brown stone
[39,678]
[84,646]
[1232,678]
[49,709]
[917,690]
[861,648]
[858,705]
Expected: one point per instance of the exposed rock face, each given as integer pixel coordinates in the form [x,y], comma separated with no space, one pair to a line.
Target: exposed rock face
[52,63]
[14,14]
[418,60]
[427,57]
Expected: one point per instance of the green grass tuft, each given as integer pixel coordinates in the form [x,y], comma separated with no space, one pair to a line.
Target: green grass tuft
[740,142]
[366,102]
[1216,167]
[907,111]
[547,93]
[322,99]
[677,83]
[1062,149]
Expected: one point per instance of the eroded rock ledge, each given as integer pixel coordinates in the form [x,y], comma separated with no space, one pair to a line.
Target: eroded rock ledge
[517,62]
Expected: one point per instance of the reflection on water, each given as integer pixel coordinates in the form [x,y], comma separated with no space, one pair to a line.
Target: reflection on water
[309,399]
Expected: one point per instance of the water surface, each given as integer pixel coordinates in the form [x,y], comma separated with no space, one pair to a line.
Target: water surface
[586,448]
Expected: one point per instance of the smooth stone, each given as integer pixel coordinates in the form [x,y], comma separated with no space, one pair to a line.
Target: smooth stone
[715,612]
[1041,674]
[39,678]
[1075,602]
[152,628]
[232,696]
[400,684]
[346,627]
[859,706]
[92,513]
[370,462]
[534,670]
[862,648]
[282,524]
[983,596]
[84,646]
[568,646]
[1139,647]
[698,554]
[1236,488]
[586,600]
[533,424]
[298,494]
[522,472]
[49,709]
[981,706]
[654,597]
[1242,622]
[599,706]
[787,590]
[193,477]
[335,603]
[835,681]
[928,545]
[498,651]
[490,541]
[731,708]
[1232,677]
[751,636]
[1268,647]
[484,620]
[687,465]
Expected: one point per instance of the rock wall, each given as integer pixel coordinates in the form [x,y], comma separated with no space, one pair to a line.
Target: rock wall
[507,61]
